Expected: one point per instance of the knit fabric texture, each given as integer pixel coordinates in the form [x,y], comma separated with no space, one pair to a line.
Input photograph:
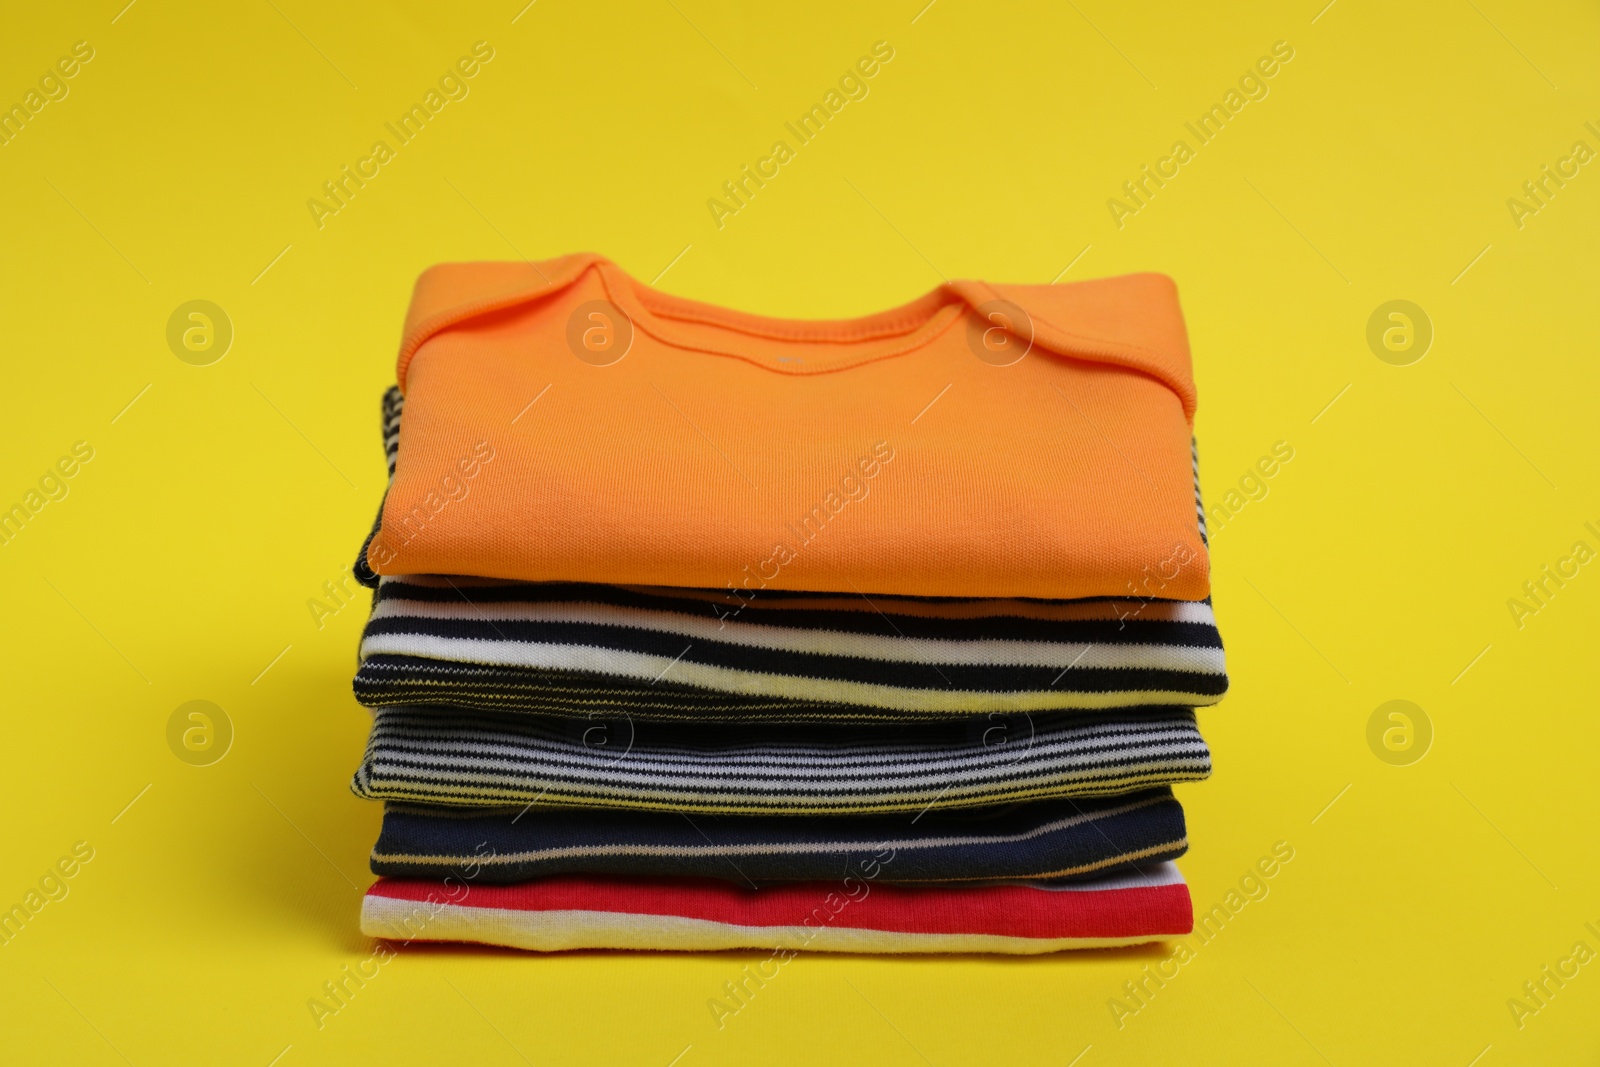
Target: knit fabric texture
[448,756]
[883,653]
[851,914]
[716,447]
[1067,838]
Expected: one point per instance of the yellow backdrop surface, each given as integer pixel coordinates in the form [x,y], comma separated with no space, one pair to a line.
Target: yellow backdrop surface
[1440,154]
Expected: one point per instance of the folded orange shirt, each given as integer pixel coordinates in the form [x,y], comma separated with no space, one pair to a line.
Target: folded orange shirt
[566,423]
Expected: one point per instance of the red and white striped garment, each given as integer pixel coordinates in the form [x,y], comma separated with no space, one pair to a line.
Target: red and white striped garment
[855,915]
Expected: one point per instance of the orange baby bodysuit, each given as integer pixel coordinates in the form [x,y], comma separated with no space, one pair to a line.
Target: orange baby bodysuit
[566,423]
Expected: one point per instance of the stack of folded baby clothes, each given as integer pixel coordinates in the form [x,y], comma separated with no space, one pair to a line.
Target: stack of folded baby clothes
[695,629]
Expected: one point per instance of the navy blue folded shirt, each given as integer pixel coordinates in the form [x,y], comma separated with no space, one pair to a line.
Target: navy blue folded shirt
[1069,838]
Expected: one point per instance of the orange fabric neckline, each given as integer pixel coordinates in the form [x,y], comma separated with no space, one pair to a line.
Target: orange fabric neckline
[1116,320]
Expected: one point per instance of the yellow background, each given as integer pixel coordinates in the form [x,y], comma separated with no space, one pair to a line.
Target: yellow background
[1378,567]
